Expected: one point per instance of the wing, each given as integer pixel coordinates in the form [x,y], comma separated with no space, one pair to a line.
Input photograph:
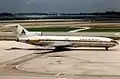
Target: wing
[46,43]
[78,30]
[60,44]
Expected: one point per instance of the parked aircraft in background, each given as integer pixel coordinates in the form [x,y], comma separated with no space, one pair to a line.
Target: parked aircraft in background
[36,38]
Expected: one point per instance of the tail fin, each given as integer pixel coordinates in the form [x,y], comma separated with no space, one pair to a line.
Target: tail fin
[17,29]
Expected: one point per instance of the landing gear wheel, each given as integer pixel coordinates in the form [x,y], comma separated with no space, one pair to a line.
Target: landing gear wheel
[106,48]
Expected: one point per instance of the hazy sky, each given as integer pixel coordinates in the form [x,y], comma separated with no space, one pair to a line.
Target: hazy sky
[59,5]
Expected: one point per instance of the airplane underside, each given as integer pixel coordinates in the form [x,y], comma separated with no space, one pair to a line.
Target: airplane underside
[73,44]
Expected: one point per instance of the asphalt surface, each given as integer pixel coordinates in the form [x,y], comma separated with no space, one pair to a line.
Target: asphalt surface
[22,61]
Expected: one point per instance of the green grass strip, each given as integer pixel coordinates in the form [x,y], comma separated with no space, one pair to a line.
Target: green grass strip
[66,29]
[52,29]
[102,30]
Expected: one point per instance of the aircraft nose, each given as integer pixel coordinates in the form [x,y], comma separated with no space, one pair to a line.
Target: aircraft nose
[115,42]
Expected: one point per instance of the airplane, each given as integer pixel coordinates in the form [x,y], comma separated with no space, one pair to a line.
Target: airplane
[59,42]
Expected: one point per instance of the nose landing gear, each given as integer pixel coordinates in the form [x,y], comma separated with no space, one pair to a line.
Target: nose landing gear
[106,48]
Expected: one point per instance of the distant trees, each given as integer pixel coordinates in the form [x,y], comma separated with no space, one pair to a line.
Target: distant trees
[63,14]
[6,14]
[54,15]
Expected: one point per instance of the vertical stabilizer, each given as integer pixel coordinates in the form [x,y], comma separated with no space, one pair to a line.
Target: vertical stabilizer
[17,29]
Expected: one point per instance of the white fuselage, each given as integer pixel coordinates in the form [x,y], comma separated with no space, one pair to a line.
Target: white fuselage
[75,41]
[37,38]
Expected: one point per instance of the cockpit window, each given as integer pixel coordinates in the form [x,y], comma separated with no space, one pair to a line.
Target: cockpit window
[114,41]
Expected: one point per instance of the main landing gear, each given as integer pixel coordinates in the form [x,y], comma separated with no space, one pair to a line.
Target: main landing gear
[106,48]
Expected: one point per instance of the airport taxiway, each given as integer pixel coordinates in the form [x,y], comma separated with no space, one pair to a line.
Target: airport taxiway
[22,61]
